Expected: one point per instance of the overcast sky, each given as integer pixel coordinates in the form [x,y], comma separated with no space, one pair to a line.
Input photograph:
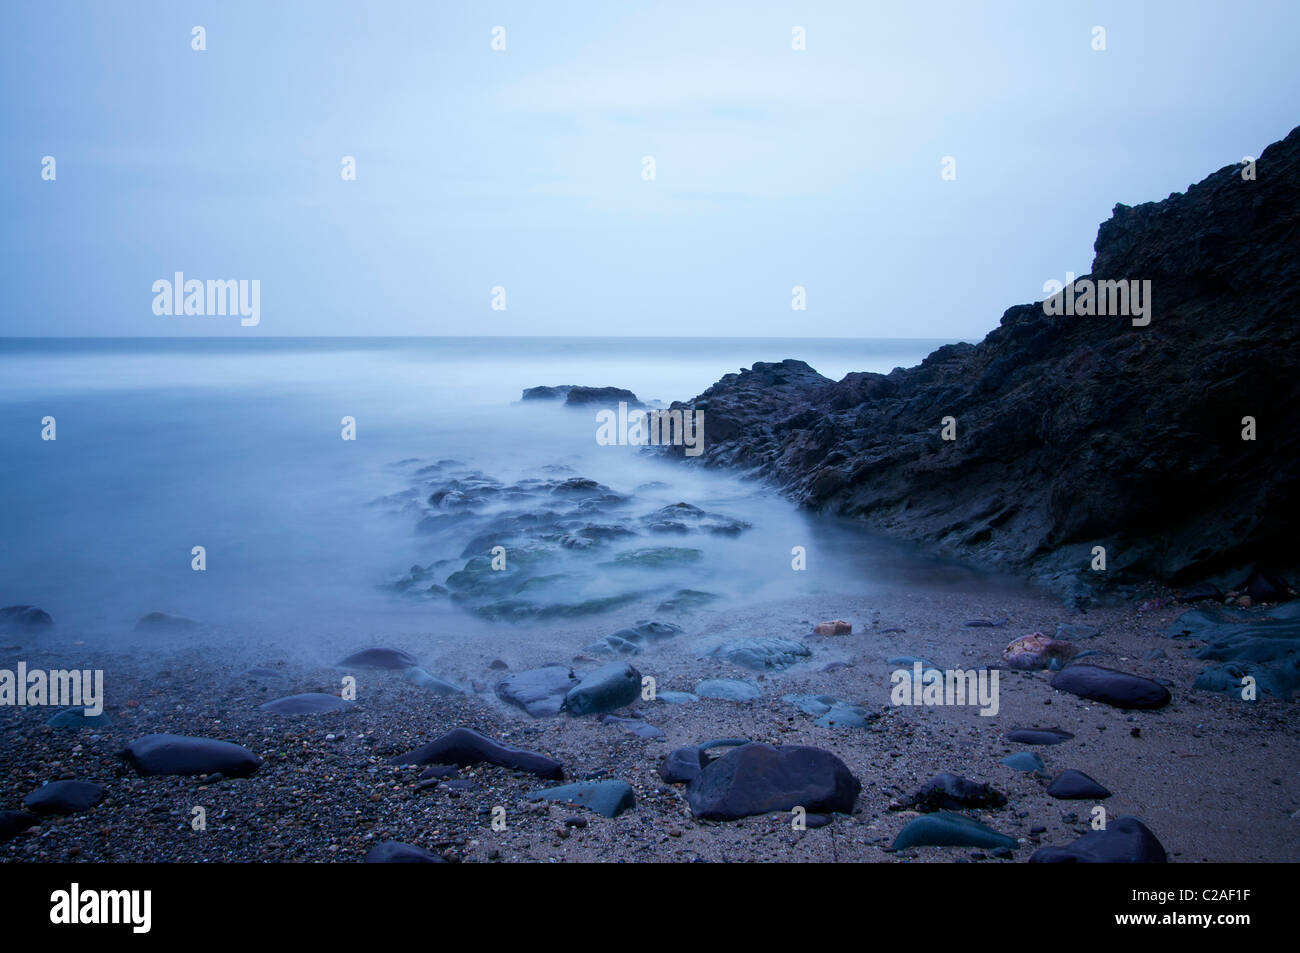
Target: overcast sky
[523,168]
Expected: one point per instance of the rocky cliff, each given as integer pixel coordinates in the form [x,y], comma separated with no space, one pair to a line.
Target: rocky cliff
[1075,431]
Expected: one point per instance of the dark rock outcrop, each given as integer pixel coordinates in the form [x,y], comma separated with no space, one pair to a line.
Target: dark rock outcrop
[1126,840]
[24,619]
[1074,431]
[577,396]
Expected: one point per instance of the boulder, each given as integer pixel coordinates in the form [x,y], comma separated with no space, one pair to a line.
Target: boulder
[946,829]
[1126,840]
[1110,687]
[609,687]
[1071,785]
[538,691]
[609,798]
[760,778]
[183,755]
[395,852]
[64,797]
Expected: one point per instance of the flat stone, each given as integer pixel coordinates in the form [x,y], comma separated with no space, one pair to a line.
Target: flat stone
[1110,687]
[760,778]
[609,798]
[308,703]
[395,852]
[378,658]
[946,829]
[64,797]
[677,698]
[76,718]
[728,689]
[1071,785]
[463,747]
[1038,736]
[183,755]
[538,691]
[1126,840]
[432,683]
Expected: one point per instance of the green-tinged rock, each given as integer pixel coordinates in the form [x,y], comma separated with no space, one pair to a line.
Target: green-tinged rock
[610,798]
[946,829]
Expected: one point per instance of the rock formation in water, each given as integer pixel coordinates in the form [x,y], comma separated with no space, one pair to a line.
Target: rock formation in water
[1075,431]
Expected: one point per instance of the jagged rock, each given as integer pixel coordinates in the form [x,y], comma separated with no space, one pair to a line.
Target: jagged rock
[1126,840]
[762,654]
[1110,687]
[759,778]
[949,792]
[607,688]
[183,755]
[1050,455]
[538,691]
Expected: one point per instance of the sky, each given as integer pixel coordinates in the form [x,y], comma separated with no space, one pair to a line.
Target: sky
[524,169]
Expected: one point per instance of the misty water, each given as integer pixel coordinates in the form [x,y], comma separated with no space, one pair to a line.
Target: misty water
[235,445]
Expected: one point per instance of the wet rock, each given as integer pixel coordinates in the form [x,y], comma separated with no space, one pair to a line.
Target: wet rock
[183,755]
[609,687]
[1126,840]
[946,829]
[762,654]
[24,619]
[1110,687]
[64,797]
[656,557]
[833,627]
[1038,736]
[683,765]
[728,689]
[608,798]
[950,792]
[463,747]
[759,778]
[633,639]
[1071,785]
[308,703]
[538,691]
[432,683]
[395,852]
[378,658]
[162,622]
[13,823]
[1024,761]
[1037,651]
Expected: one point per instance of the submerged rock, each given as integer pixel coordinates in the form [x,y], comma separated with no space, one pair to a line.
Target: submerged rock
[946,829]
[538,691]
[183,755]
[760,778]
[308,703]
[609,687]
[24,619]
[1110,687]
[463,747]
[609,798]
[64,797]
[1126,840]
